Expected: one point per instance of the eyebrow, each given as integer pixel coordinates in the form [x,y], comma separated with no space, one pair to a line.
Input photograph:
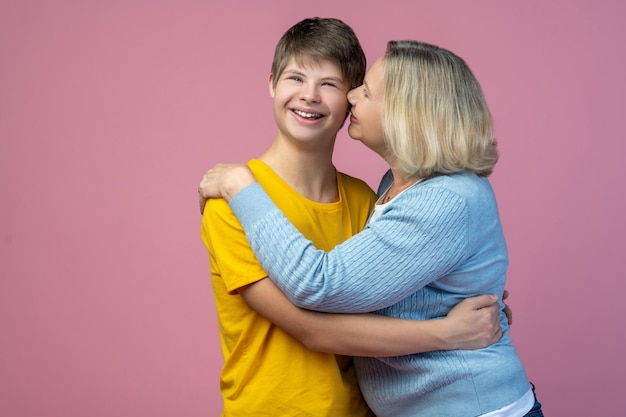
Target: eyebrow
[338,79]
[296,71]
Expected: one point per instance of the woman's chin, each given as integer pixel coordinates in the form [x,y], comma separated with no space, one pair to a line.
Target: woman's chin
[354,132]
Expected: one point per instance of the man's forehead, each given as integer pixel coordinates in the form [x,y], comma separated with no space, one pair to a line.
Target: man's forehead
[313,63]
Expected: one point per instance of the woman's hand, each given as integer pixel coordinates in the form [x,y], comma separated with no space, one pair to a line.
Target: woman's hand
[474,323]
[507,310]
[223,181]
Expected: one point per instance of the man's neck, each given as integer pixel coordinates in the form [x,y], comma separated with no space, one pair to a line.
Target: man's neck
[310,173]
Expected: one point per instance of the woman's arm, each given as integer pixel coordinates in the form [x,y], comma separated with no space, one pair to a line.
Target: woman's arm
[355,276]
[408,247]
[472,324]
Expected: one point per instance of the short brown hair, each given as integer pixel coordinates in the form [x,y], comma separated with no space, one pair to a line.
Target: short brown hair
[322,38]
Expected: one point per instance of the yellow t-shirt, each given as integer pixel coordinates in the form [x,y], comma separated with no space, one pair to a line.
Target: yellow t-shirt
[266,371]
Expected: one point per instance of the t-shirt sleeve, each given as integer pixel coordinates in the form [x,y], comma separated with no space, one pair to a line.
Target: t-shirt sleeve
[229,251]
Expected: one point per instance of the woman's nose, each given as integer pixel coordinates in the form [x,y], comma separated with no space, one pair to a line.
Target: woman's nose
[352,96]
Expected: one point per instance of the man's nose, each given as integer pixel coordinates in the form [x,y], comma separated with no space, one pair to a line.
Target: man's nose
[310,93]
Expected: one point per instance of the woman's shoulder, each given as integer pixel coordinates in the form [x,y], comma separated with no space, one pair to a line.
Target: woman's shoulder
[460,190]
[466,184]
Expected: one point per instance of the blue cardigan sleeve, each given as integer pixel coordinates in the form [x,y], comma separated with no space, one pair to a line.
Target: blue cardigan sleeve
[420,237]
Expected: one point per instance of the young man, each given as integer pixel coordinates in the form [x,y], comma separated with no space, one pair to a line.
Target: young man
[274,353]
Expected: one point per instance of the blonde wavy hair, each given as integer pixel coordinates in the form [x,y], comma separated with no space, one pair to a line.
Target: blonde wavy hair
[436,119]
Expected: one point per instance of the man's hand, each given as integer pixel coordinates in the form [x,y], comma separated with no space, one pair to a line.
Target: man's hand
[223,181]
[474,323]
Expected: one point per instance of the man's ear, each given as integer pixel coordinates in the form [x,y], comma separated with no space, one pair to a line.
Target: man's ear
[271,84]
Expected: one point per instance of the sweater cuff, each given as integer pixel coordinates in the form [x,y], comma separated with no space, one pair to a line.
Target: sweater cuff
[251,204]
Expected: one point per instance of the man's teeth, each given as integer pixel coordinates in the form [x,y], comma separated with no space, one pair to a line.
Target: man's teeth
[308,115]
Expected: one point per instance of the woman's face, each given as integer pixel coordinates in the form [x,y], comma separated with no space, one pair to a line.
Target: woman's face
[367,109]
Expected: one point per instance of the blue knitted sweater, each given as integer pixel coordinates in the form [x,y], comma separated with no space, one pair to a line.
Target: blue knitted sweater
[435,244]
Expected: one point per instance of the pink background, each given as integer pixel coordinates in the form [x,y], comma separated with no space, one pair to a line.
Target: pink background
[110,111]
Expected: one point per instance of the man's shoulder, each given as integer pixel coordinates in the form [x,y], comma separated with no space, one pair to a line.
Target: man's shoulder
[357,195]
[354,184]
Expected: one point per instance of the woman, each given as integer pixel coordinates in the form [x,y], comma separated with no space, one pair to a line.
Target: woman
[434,237]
